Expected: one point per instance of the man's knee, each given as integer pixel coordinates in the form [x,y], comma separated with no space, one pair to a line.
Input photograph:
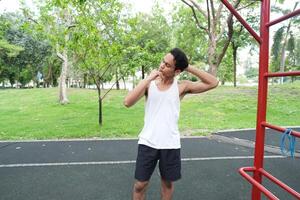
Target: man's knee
[167,184]
[140,186]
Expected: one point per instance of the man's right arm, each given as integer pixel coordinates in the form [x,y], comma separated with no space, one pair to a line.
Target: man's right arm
[139,91]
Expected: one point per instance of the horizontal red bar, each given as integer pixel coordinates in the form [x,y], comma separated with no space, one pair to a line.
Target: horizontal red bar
[281,74]
[276,21]
[278,182]
[243,170]
[243,22]
[280,129]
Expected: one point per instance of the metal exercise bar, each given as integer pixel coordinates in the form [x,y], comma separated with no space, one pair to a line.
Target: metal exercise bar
[263,39]
[280,129]
[255,183]
[240,18]
[243,171]
[262,96]
[281,74]
[280,19]
[279,183]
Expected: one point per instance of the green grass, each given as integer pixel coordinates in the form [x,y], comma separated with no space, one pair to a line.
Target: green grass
[36,114]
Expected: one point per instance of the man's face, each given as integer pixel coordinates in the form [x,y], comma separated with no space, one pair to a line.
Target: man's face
[167,66]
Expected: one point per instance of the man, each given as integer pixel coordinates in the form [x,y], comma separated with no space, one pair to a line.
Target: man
[160,139]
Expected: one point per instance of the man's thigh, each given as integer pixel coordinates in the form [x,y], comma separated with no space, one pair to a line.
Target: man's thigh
[145,163]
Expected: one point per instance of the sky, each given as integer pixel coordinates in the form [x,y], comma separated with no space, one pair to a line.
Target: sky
[138,5]
[8,5]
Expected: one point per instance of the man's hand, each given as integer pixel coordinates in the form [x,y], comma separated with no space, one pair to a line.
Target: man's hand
[139,91]
[188,68]
[153,75]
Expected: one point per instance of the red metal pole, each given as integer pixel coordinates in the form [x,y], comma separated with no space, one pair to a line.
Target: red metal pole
[259,186]
[281,184]
[281,74]
[243,22]
[262,96]
[280,129]
[243,171]
[292,14]
[261,124]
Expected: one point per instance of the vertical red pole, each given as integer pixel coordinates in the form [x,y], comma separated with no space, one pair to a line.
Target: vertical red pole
[262,95]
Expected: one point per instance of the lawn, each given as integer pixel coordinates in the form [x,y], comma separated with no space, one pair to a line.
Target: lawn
[36,113]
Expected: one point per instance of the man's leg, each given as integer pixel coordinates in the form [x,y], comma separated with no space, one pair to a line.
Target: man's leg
[145,164]
[170,171]
[167,189]
[139,190]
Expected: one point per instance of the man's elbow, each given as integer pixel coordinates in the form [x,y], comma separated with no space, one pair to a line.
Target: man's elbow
[215,84]
[126,103]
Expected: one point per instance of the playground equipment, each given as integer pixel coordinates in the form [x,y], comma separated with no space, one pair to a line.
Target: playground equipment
[261,124]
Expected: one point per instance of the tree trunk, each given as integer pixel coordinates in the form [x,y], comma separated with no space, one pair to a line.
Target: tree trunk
[51,77]
[143,72]
[283,57]
[213,15]
[133,81]
[282,62]
[63,99]
[84,80]
[11,82]
[212,60]
[293,79]
[100,111]
[234,52]
[100,120]
[117,80]
[98,84]
[124,82]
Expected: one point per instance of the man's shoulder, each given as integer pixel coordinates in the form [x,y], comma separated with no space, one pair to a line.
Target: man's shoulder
[183,83]
[182,86]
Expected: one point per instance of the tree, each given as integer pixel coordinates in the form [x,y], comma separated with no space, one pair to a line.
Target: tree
[30,60]
[51,71]
[7,50]
[225,70]
[251,72]
[241,38]
[56,22]
[283,38]
[150,42]
[95,42]
[25,65]
[214,27]
[187,36]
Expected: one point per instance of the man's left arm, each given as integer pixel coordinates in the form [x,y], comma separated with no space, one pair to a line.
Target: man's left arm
[206,82]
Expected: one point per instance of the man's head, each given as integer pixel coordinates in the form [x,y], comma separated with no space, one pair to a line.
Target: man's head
[173,63]
[181,61]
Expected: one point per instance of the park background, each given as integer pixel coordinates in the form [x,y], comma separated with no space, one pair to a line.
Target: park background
[66,65]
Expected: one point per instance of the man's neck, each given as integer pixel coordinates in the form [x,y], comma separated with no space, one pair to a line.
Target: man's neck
[166,81]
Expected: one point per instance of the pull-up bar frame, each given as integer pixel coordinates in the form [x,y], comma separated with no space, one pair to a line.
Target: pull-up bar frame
[261,124]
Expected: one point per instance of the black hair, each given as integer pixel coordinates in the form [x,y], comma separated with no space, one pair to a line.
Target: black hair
[181,61]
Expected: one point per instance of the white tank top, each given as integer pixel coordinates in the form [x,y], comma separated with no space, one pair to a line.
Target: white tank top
[161,118]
